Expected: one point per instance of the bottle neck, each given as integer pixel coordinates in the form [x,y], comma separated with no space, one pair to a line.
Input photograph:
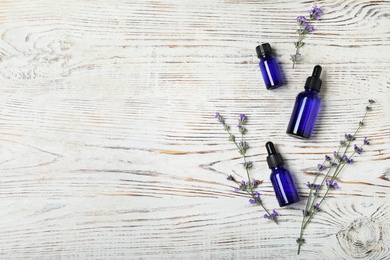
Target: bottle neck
[265,56]
[312,90]
[277,168]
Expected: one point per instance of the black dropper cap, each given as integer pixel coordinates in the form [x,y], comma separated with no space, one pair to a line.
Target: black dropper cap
[263,50]
[274,159]
[314,82]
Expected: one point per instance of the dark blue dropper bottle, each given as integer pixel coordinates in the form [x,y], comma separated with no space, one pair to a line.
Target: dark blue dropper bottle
[306,108]
[281,179]
[269,66]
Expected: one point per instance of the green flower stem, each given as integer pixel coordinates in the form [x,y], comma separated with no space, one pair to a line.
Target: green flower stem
[301,36]
[250,183]
[313,198]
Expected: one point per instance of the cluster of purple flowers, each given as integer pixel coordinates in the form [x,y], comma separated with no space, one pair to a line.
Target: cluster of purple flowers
[256,198]
[243,146]
[332,184]
[342,158]
[305,27]
[244,185]
[273,215]
[314,187]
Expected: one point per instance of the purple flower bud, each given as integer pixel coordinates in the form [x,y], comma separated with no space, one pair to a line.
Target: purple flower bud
[357,149]
[321,167]
[230,178]
[315,13]
[242,120]
[309,28]
[332,185]
[301,20]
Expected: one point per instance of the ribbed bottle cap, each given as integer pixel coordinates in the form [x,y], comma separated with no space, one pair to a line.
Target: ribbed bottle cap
[274,159]
[314,82]
[263,49]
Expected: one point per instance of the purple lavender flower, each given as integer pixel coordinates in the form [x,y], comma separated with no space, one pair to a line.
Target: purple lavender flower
[358,149]
[332,185]
[305,27]
[225,126]
[243,119]
[347,160]
[295,57]
[316,207]
[371,101]
[368,108]
[230,178]
[337,156]
[243,186]
[365,141]
[248,164]
[361,123]
[273,215]
[305,213]
[241,129]
[256,183]
[315,13]
[243,146]
[313,186]
[349,137]
[321,167]
[220,118]
[301,20]
[309,28]
[343,143]
[327,158]
[256,198]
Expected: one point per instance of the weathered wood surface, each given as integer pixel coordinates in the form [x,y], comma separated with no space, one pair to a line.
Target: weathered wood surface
[109,145]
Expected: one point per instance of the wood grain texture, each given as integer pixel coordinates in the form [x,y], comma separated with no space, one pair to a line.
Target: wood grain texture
[109,145]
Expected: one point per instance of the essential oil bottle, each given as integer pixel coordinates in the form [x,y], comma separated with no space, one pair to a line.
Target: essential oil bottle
[307,105]
[269,66]
[281,179]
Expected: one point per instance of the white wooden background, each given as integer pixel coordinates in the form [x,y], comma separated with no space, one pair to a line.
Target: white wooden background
[109,145]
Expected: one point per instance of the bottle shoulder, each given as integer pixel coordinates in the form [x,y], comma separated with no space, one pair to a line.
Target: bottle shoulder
[267,58]
[279,170]
[309,94]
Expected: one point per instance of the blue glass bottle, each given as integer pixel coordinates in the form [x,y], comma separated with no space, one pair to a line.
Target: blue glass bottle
[269,66]
[306,108]
[281,178]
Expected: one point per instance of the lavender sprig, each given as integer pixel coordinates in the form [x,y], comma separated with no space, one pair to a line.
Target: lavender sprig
[242,146]
[334,167]
[305,27]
